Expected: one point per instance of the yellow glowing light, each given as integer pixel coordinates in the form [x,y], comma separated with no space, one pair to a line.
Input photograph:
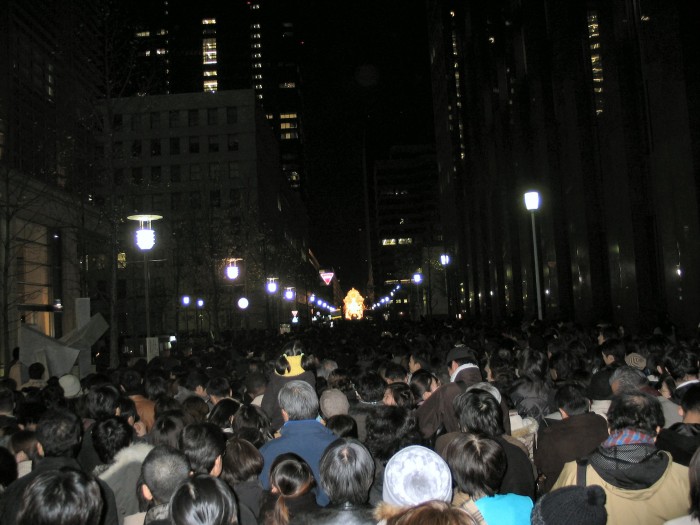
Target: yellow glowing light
[354,305]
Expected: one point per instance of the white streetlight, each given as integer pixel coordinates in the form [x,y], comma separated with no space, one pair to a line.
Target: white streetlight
[444,259]
[272,285]
[532,203]
[243,303]
[289,293]
[232,269]
[145,240]
[186,304]
[417,278]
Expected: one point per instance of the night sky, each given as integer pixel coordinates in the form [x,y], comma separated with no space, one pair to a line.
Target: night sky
[365,62]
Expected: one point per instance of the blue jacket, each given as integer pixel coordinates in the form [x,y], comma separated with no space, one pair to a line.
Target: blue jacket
[308,439]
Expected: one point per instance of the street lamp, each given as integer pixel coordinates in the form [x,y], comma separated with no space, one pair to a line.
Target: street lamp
[186,303]
[243,303]
[289,293]
[445,261]
[272,285]
[232,269]
[532,203]
[145,240]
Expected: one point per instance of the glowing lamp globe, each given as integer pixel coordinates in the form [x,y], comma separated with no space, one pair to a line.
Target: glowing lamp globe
[232,272]
[532,200]
[145,239]
[243,303]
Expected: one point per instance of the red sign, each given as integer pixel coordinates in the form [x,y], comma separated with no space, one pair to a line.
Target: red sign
[327,277]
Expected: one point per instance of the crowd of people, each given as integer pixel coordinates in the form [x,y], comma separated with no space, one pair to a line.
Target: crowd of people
[363,424]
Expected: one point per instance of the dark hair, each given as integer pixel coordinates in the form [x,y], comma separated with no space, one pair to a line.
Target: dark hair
[24,441]
[53,395]
[166,404]
[7,400]
[111,435]
[218,387]
[572,399]
[342,425]
[36,370]
[194,379]
[68,497]
[202,443]
[196,408]
[477,463]
[59,432]
[434,512]
[166,429]
[422,358]
[102,401]
[402,395]
[636,410]
[681,362]
[421,382]
[370,387]
[163,470]
[292,477]
[131,381]
[690,402]
[252,424]
[253,383]
[127,409]
[347,472]
[242,462]
[155,386]
[478,411]
[564,365]
[203,500]
[533,365]
[394,372]
[223,413]
[8,467]
[293,348]
[615,348]
[694,475]
[389,430]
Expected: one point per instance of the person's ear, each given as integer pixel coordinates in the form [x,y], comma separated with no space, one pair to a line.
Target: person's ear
[40,449]
[285,416]
[218,467]
[680,411]
[146,492]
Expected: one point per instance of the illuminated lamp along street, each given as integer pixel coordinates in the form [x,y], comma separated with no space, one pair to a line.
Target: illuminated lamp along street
[145,240]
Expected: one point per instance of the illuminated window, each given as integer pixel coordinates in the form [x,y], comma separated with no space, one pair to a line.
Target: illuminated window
[269,116]
[255,35]
[121,260]
[407,240]
[288,125]
[388,242]
[211,85]
[259,96]
[287,85]
[208,21]
[210,73]
[257,76]
[161,51]
[256,45]
[143,34]
[162,32]
[258,86]
[284,116]
[255,6]
[289,135]
[255,26]
[257,65]
[257,55]
[596,61]
[209,51]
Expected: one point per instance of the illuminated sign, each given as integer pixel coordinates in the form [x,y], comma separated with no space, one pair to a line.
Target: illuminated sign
[327,277]
[354,305]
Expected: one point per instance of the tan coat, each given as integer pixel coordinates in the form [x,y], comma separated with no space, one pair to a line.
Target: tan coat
[666,499]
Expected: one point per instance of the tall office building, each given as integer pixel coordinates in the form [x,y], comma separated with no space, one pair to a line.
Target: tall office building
[219,45]
[596,105]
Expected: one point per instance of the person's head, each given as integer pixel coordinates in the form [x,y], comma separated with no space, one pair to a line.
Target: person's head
[432,513]
[203,500]
[395,373]
[8,468]
[102,401]
[252,424]
[347,472]
[562,365]
[572,506]
[298,401]
[423,384]
[254,385]
[414,475]
[572,400]
[343,426]
[479,412]
[478,464]
[613,351]
[196,381]
[333,402]
[111,435]
[36,370]
[694,476]
[389,430]
[131,382]
[533,364]
[223,413]
[681,364]
[635,410]
[605,332]
[167,429]
[59,433]
[23,445]
[460,355]
[690,402]
[196,408]
[162,471]
[370,387]
[293,355]
[68,497]
[204,445]
[418,360]
[627,379]
[127,410]
[155,386]
[7,401]
[326,367]
[242,462]
[399,394]
[290,477]
[218,388]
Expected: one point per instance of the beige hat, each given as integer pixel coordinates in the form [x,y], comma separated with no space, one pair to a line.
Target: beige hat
[333,402]
[71,386]
[636,361]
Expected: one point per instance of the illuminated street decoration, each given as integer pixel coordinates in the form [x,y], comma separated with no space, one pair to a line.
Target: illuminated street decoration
[354,305]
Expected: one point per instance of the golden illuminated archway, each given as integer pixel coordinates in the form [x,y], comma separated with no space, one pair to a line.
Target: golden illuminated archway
[354,305]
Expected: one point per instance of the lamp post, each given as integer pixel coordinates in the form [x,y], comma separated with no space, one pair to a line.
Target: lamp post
[186,304]
[145,240]
[445,261]
[197,323]
[417,279]
[532,203]
[271,288]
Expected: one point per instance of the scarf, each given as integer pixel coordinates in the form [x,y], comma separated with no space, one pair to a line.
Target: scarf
[628,436]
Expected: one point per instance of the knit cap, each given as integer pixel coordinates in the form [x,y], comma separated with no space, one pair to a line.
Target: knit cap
[571,505]
[635,360]
[333,402]
[70,385]
[414,475]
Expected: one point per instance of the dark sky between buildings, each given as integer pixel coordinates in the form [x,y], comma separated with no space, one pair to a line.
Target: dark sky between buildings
[365,68]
